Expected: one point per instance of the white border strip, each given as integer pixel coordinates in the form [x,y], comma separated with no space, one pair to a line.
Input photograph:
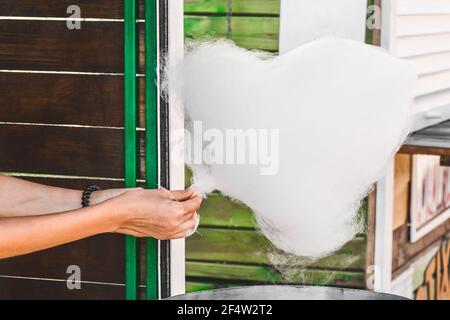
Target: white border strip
[20,18]
[62,72]
[36,124]
[58,125]
[57,176]
[62,280]
[139,75]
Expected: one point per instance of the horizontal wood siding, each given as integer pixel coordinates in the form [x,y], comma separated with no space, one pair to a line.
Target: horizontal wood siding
[13,288]
[90,9]
[422,35]
[61,123]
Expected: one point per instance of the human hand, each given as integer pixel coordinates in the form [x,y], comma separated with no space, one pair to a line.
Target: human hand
[160,214]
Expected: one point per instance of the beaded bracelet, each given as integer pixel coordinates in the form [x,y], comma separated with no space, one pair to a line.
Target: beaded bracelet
[87,195]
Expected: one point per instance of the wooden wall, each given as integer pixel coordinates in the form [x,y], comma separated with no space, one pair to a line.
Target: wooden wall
[403,251]
[228,250]
[61,123]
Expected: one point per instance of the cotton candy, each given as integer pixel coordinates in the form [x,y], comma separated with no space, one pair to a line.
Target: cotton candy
[341,110]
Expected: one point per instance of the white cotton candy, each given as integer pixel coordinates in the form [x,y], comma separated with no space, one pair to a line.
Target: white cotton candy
[341,109]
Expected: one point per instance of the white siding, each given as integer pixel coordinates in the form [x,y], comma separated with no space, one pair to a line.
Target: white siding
[421,34]
[304,20]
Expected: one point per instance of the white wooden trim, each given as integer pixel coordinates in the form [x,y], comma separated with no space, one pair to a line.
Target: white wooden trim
[388,24]
[385,186]
[430,226]
[383,231]
[176,123]
[421,7]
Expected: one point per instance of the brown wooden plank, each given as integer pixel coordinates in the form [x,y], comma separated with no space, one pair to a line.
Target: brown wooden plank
[445,161]
[65,99]
[370,235]
[75,183]
[403,251]
[102,9]
[50,45]
[100,258]
[62,99]
[95,152]
[33,289]
[376,36]
[408,149]
[401,189]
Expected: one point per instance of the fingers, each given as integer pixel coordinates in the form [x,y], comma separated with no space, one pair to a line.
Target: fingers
[181,195]
[192,205]
[186,229]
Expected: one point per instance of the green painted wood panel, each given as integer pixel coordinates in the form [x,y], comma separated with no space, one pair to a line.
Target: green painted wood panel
[260,33]
[248,32]
[252,247]
[248,7]
[193,285]
[204,27]
[265,274]
[219,211]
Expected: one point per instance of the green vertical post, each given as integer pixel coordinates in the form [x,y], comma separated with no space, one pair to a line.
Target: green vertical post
[151,135]
[130,138]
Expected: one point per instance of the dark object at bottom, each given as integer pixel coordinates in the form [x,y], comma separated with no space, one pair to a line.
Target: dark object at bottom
[286,293]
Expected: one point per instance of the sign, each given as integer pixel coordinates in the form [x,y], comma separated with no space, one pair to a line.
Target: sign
[435,285]
[430,195]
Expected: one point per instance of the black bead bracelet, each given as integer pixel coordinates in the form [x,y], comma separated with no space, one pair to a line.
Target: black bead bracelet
[86,197]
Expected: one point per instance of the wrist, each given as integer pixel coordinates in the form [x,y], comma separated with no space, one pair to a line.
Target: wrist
[96,197]
[116,213]
[103,195]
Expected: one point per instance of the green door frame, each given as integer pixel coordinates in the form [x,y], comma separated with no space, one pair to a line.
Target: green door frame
[151,137]
[131,265]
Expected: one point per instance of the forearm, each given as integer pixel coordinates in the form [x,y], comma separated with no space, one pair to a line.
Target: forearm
[22,235]
[23,198]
